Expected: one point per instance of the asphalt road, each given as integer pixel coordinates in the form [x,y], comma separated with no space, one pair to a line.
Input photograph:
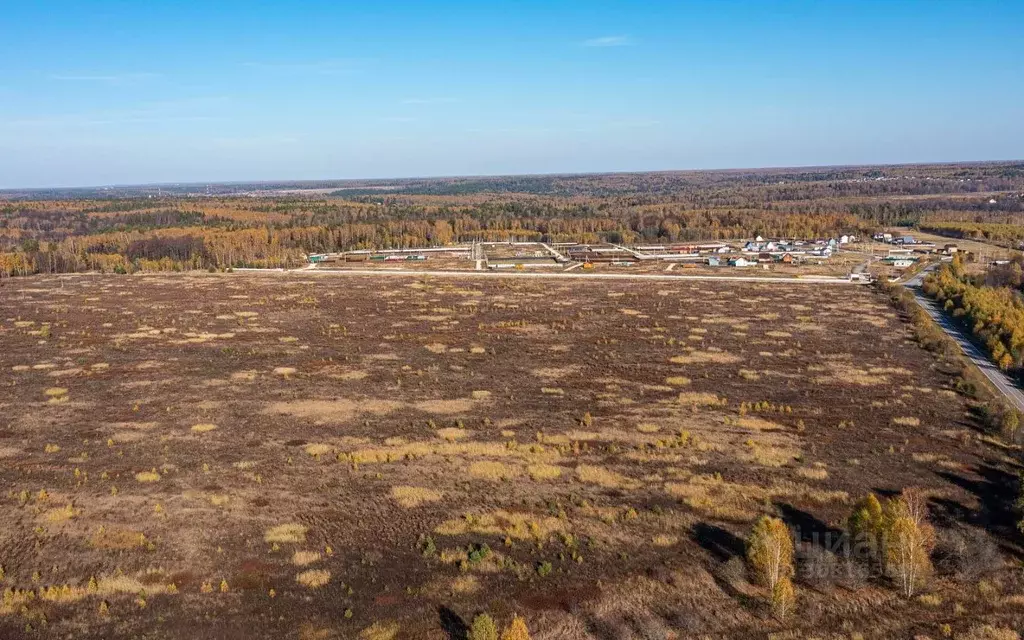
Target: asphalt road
[1006,385]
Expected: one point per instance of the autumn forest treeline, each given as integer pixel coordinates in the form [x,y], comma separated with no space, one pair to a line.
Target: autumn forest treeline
[990,304]
[136,231]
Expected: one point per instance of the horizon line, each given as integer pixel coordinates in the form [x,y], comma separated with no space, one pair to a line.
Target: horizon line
[521,175]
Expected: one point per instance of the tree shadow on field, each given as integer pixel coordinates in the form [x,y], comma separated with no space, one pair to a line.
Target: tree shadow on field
[881,493]
[452,624]
[946,512]
[997,492]
[641,624]
[729,550]
[604,630]
[723,545]
[808,528]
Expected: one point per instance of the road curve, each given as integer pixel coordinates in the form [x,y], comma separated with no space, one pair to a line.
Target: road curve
[995,375]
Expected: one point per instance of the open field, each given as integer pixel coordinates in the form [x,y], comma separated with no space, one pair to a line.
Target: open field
[984,252]
[294,456]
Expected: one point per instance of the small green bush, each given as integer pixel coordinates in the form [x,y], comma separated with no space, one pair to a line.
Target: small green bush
[483,628]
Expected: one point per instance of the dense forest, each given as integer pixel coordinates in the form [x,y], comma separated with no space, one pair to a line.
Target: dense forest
[1001,233]
[991,304]
[198,227]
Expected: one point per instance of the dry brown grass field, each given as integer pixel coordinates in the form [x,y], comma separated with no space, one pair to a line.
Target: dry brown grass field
[251,456]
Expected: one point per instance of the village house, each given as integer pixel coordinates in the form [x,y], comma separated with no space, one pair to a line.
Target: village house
[899,262]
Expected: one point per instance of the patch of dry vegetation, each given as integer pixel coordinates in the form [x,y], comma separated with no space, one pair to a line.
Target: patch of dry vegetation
[446,407]
[380,631]
[706,357]
[451,434]
[332,411]
[677,381]
[516,525]
[543,471]
[290,533]
[411,497]
[603,477]
[701,399]
[318,449]
[813,473]
[313,578]
[492,470]
[907,421]
[303,558]
[841,372]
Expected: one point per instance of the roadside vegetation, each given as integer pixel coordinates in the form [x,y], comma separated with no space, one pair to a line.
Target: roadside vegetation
[990,304]
[998,416]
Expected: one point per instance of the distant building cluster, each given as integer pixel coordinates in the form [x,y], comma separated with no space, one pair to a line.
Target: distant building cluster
[905,250]
[521,255]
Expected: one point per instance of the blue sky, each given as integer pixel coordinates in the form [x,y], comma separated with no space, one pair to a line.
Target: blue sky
[105,92]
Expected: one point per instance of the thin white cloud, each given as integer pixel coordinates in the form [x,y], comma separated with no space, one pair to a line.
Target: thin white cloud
[110,78]
[85,120]
[429,100]
[322,67]
[195,109]
[636,123]
[253,141]
[512,130]
[185,103]
[608,41]
[577,122]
